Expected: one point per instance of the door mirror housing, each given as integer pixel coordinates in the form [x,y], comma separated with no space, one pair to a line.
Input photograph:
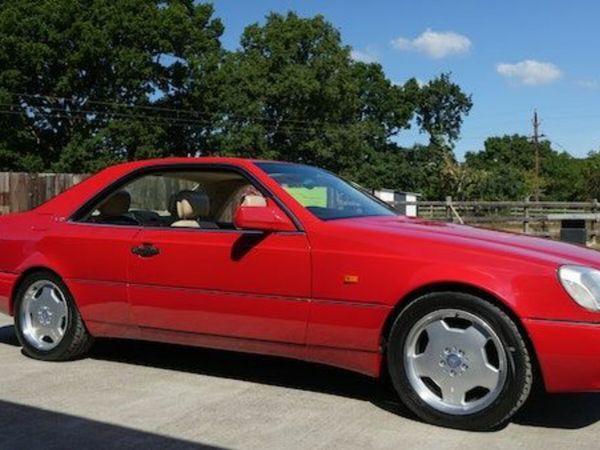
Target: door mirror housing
[262,218]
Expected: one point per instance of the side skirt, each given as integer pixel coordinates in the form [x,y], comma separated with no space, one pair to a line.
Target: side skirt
[361,361]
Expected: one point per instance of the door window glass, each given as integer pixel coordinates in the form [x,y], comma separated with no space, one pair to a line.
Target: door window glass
[183,199]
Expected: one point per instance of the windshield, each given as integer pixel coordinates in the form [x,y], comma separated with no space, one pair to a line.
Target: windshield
[323,194]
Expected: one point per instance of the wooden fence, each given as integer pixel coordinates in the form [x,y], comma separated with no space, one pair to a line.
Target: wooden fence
[537,218]
[23,191]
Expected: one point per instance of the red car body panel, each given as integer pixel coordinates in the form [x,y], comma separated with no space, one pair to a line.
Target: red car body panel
[326,292]
[223,284]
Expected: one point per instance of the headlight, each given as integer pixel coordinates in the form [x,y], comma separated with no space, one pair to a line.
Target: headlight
[582,284]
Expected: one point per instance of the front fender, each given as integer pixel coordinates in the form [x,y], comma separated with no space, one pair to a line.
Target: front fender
[530,290]
[496,284]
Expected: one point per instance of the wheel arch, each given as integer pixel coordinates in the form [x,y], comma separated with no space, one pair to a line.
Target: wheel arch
[23,276]
[459,287]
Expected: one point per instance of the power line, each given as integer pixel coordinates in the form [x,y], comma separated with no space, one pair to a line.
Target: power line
[172,110]
[175,116]
[67,113]
[51,112]
[189,121]
[61,113]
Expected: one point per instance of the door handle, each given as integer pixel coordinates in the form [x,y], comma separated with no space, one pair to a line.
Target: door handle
[145,250]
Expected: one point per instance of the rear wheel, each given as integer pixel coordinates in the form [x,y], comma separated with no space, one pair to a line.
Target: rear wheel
[47,322]
[456,360]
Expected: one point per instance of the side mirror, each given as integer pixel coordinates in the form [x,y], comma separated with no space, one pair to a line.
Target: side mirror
[262,218]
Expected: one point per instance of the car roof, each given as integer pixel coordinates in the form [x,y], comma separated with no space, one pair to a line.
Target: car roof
[192,160]
[68,201]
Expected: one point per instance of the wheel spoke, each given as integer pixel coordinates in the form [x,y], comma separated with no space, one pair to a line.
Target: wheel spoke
[54,334]
[45,295]
[486,376]
[426,365]
[437,331]
[58,309]
[475,338]
[30,295]
[62,319]
[57,297]
[452,392]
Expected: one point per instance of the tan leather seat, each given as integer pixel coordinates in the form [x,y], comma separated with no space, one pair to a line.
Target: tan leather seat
[254,200]
[246,195]
[190,207]
[115,210]
[116,205]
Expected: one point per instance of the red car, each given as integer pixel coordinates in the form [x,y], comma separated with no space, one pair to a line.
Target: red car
[286,259]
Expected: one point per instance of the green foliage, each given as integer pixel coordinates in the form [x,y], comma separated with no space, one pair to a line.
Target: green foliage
[590,180]
[307,100]
[441,106]
[506,169]
[85,84]
[70,72]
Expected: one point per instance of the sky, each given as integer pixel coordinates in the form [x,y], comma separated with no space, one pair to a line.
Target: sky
[512,56]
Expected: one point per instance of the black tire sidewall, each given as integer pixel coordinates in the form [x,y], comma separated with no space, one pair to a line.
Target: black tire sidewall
[518,378]
[56,353]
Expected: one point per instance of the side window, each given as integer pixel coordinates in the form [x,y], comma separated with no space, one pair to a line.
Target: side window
[205,199]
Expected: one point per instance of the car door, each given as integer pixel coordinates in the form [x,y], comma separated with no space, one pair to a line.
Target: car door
[221,281]
[92,256]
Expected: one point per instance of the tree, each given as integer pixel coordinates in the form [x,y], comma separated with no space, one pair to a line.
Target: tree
[77,78]
[506,166]
[87,83]
[590,176]
[295,94]
[441,106]
[516,151]
[562,177]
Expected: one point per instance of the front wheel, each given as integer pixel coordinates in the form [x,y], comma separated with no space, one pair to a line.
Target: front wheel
[47,322]
[458,361]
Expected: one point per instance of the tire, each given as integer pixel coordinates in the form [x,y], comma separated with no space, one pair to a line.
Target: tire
[35,310]
[458,361]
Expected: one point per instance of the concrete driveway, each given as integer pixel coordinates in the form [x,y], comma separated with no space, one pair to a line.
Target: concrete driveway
[144,395]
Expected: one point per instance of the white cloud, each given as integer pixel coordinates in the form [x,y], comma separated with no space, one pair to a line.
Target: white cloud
[588,84]
[530,72]
[366,56]
[435,44]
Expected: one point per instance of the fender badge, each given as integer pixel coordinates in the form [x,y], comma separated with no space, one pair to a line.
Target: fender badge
[350,279]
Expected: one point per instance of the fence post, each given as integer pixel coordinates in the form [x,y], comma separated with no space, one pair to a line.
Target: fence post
[526,216]
[4,193]
[449,208]
[32,191]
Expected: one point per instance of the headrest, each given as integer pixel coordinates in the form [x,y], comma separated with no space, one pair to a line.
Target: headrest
[254,200]
[116,205]
[192,205]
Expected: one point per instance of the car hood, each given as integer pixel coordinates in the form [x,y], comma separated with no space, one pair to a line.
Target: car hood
[505,243]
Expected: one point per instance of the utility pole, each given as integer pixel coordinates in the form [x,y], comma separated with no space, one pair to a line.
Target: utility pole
[536,145]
